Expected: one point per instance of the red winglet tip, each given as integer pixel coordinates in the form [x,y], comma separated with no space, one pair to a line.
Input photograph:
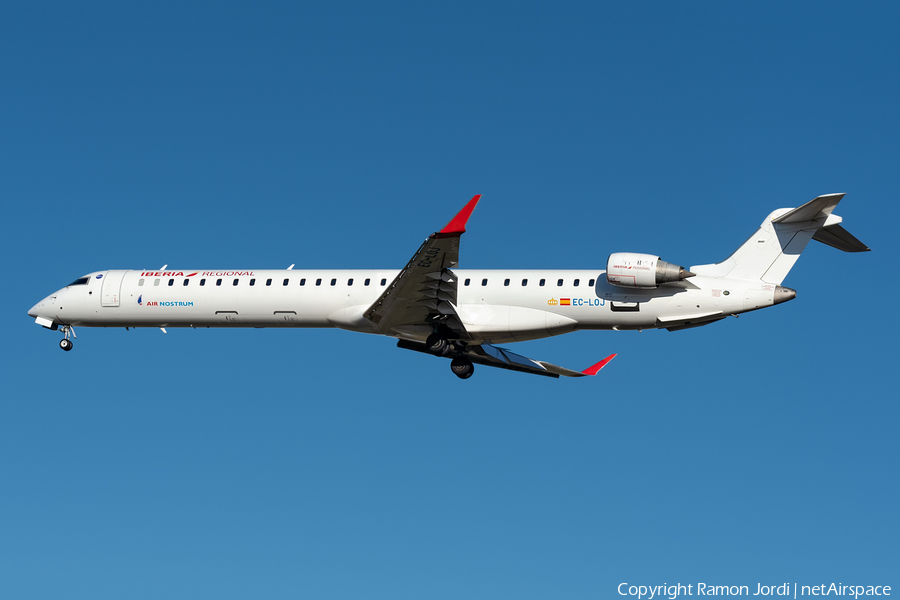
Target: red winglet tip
[457,224]
[593,370]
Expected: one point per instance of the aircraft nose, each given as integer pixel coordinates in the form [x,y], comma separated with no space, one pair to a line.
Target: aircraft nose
[42,306]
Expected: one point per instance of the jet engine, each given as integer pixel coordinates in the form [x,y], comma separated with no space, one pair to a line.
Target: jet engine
[627,269]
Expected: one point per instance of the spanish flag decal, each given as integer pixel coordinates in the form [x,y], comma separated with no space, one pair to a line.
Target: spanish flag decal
[565,302]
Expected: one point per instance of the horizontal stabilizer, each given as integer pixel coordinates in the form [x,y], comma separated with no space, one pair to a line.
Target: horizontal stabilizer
[816,208]
[838,237]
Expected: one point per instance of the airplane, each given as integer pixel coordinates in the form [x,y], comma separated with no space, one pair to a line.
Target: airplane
[432,306]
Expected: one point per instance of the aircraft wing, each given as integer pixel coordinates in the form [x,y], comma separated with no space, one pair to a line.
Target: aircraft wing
[424,293]
[492,356]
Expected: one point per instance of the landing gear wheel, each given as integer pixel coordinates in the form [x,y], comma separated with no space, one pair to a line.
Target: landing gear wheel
[436,344]
[65,345]
[462,367]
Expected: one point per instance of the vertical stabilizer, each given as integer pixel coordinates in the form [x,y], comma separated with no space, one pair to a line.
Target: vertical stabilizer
[770,253]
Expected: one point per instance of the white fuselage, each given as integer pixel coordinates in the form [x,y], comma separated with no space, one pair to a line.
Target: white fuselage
[432,306]
[495,305]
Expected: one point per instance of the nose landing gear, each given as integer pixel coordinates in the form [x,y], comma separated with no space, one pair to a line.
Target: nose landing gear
[65,343]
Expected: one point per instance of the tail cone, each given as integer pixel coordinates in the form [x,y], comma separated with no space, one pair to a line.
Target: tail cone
[783,294]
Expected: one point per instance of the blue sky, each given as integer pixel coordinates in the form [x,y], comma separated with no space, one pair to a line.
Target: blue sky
[326,464]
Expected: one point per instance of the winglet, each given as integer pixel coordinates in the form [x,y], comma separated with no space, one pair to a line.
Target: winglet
[457,225]
[593,370]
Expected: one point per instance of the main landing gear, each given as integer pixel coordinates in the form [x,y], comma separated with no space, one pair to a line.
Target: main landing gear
[462,367]
[65,343]
[438,345]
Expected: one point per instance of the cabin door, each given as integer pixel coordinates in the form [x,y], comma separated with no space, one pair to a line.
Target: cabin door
[112,288]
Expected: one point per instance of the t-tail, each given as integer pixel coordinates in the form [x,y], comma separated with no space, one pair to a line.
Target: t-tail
[770,253]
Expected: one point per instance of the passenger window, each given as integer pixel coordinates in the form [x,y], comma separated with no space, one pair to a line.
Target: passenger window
[285,282]
[542,282]
[333,281]
[235,282]
[524,282]
[483,282]
[186,281]
[303,281]
[202,282]
[577,281]
[559,283]
[141,282]
[252,282]
[350,281]
[591,283]
[468,281]
[366,282]
[318,282]
[156,282]
[384,282]
[268,282]
[506,282]
[218,282]
[171,282]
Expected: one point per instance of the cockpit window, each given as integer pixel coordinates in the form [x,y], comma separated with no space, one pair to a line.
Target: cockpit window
[80,281]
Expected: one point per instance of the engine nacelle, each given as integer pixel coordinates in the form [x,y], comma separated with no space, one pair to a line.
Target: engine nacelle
[627,269]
